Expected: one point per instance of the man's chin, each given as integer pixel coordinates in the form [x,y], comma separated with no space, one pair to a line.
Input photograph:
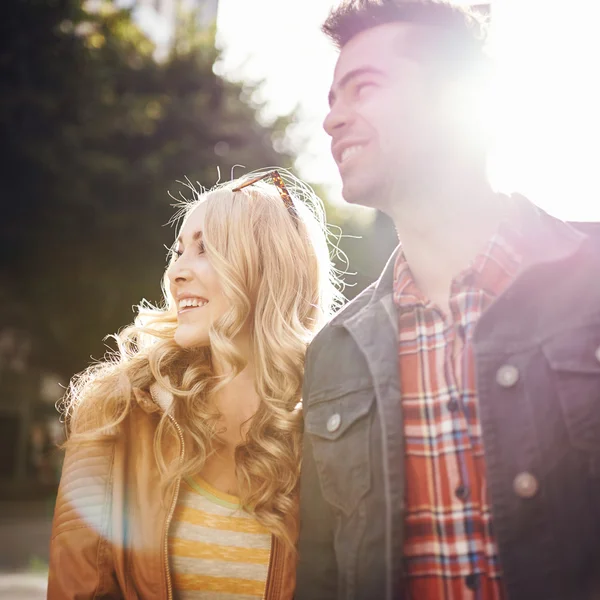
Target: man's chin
[361,191]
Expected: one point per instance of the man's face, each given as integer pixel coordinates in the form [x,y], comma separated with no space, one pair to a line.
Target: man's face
[380,118]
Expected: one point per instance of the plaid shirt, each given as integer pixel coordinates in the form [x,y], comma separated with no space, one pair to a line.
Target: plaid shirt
[449,550]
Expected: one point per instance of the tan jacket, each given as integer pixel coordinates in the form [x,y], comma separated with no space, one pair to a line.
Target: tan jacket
[109,534]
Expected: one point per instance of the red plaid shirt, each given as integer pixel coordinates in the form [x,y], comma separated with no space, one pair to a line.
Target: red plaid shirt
[450,552]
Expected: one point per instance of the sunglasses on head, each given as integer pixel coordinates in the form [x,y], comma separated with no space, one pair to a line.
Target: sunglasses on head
[277,180]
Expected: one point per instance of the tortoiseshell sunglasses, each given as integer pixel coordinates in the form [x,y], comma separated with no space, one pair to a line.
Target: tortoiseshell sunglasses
[277,180]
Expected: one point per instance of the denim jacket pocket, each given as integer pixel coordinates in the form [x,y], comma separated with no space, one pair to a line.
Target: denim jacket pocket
[575,361]
[339,429]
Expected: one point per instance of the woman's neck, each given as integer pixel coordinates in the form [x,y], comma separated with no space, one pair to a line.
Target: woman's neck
[237,402]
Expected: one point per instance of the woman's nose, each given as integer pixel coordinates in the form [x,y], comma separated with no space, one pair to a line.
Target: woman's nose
[178,271]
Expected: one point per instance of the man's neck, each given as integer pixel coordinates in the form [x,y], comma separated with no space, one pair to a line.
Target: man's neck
[442,230]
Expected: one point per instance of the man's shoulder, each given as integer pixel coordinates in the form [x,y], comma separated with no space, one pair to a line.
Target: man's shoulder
[590,228]
[334,362]
[331,329]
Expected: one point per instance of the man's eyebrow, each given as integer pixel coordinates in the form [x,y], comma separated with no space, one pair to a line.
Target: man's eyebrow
[197,236]
[353,74]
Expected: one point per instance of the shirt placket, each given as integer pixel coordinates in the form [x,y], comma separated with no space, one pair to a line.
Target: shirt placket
[458,377]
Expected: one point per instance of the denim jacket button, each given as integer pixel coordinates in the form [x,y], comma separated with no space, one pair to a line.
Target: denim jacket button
[525,485]
[334,422]
[507,376]
[598,353]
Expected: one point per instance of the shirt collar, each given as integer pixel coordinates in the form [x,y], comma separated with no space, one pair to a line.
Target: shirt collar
[491,270]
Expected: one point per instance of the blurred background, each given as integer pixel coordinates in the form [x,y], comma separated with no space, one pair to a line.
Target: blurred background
[106,105]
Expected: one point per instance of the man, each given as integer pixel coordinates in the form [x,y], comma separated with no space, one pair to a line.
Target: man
[452,410]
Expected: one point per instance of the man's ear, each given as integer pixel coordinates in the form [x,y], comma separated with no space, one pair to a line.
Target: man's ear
[465,105]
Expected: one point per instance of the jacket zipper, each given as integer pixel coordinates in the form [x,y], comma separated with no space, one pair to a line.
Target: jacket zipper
[172,510]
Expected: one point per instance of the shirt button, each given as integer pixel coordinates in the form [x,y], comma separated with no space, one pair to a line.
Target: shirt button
[525,485]
[462,492]
[472,581]
[598,353]
[452,405]
[507,376]
[334,422]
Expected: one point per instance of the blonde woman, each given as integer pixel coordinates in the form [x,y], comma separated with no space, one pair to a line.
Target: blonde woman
[183,458]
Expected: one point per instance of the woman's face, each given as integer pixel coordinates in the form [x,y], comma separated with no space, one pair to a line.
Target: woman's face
[195,285]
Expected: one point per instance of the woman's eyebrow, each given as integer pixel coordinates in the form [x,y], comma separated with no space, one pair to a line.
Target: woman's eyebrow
[197,236]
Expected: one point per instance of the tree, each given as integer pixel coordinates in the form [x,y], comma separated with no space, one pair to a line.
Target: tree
[95,133]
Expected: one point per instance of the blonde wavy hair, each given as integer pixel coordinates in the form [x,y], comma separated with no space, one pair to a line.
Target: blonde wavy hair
[276,271]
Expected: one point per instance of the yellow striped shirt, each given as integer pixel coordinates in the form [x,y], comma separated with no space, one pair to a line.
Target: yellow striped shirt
[217,551]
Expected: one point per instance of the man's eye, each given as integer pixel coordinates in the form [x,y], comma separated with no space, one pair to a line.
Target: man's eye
[201,248]
[361,88]
[176,253]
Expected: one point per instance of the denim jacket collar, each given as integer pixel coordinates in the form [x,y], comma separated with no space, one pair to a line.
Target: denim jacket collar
[377,297]
[547,240]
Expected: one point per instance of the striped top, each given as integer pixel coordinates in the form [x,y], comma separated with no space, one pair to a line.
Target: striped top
[217,550]
[450,550]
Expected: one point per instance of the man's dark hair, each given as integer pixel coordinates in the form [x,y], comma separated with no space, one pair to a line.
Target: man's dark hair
[455,36]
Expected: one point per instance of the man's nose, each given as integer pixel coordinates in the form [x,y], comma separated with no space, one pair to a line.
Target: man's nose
[337,118]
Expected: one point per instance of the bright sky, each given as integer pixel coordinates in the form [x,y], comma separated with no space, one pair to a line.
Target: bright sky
[546,105]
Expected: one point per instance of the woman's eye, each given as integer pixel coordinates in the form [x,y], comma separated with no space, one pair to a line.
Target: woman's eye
[176,252]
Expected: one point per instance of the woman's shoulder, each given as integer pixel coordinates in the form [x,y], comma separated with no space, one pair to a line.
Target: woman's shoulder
[99,426]
[96,460]
[85,478]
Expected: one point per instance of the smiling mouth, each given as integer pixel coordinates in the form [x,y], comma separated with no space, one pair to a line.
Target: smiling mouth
[349,153]
[189,304]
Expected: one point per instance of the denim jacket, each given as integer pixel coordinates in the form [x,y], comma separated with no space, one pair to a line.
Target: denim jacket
[537,354]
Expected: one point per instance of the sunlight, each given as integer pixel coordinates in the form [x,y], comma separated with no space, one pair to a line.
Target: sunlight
[544,107]
[546,104]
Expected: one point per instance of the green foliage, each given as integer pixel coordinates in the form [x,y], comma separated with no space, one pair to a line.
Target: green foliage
[95,132]
[37,565]
[367,244]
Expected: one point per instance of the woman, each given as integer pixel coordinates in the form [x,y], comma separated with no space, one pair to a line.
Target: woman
[183,456]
